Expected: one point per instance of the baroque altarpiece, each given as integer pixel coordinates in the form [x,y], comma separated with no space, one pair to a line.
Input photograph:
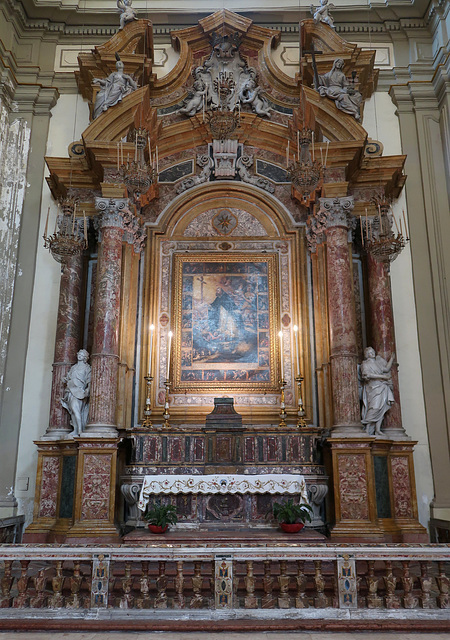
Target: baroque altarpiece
[225,204]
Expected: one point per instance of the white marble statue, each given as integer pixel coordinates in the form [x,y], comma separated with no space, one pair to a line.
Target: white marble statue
[196,98]
[322,13]
[250,94]
[334,85]
[76,395]
[377,395]
[113,89]
[127,13]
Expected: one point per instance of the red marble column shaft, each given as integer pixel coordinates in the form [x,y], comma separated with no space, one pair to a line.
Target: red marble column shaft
[342,319]
[383,334]
[67,341]
[104,358]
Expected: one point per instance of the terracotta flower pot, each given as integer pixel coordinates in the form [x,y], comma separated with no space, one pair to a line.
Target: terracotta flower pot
[157,529]
[292,528]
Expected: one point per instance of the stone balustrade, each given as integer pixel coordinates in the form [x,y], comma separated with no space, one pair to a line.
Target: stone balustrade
[370,582]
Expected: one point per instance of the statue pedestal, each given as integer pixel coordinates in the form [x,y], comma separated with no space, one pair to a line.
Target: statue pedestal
[55,488]
[95,491]
[374,491]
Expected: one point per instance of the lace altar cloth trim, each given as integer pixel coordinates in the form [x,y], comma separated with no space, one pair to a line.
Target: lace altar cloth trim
[266,483]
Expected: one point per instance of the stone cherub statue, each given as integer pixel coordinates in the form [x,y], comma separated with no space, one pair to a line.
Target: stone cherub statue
[377,393]
[197,96]
[334,85]
[322,13]
[250,94]
[127,13]
[76,395]
[113,89]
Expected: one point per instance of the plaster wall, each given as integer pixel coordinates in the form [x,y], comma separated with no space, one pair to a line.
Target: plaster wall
[381,123]
[41,342]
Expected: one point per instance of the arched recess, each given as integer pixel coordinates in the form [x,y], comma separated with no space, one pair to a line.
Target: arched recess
[281,240]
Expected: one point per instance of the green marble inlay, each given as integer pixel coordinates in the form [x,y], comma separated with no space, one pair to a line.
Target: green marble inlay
[67,486]
[380,466]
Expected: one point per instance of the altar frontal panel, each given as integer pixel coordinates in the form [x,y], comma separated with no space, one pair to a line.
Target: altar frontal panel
[225,322]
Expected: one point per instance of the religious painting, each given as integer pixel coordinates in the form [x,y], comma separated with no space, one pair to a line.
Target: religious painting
[225,322]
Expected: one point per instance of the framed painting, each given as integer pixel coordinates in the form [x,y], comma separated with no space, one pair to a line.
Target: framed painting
[225,322]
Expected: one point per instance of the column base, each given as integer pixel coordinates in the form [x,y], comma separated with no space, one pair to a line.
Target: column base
[395,433]
[100,431]
[354,430]
[39,532]
[56,434]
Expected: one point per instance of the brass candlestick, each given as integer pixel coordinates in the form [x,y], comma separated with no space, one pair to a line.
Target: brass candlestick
[146,422]
[166,414]
[283,413]
[301,413]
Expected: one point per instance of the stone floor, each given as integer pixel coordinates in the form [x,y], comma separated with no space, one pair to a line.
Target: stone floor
[111,635]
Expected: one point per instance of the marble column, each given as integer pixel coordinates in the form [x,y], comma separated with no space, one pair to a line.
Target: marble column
[342,319]
[383,336]
[67,343]
[105,356]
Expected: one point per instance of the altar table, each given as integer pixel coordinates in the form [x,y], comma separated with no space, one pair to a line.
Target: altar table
[222,483]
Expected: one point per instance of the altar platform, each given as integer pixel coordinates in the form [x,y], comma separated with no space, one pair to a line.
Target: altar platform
[224,537]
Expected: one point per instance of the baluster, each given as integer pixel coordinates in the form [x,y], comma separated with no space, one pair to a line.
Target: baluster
[126,602]
[390,582]
[267,601]
[197,583]
[235,587]
[301,601]
[284,601]
[56,601]
[40,582]
[250,601]
[212,585]
[161,586]
[320,601]
[426,583]
[409,601]
[444,587]
[179,600]
[74,601]
[143,601]
[22,599]
[5,585]
[373,600]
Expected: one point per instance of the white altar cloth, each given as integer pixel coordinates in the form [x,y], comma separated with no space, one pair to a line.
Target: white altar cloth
[223,483]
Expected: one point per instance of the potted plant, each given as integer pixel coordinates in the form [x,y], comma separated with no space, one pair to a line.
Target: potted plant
[291,516]
[160,516]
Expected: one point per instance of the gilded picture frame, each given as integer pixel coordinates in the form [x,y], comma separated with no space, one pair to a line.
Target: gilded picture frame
[225,320]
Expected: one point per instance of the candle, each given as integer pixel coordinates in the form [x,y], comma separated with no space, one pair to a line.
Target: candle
[298,143]
[168,354]
[85,226]
[121,152]
[150,349]
[395,222]
[297,349]
[46,223]
[280,334]
[117,156]
[157,161]
[367,226]
[321,154]
[326,153]
[135,149]
[313,156]
[406,228]
[401,230]
[73,219]
[361,225]
[287,155]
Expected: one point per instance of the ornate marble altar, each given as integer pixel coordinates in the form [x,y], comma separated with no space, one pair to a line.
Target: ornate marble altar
[234,258]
